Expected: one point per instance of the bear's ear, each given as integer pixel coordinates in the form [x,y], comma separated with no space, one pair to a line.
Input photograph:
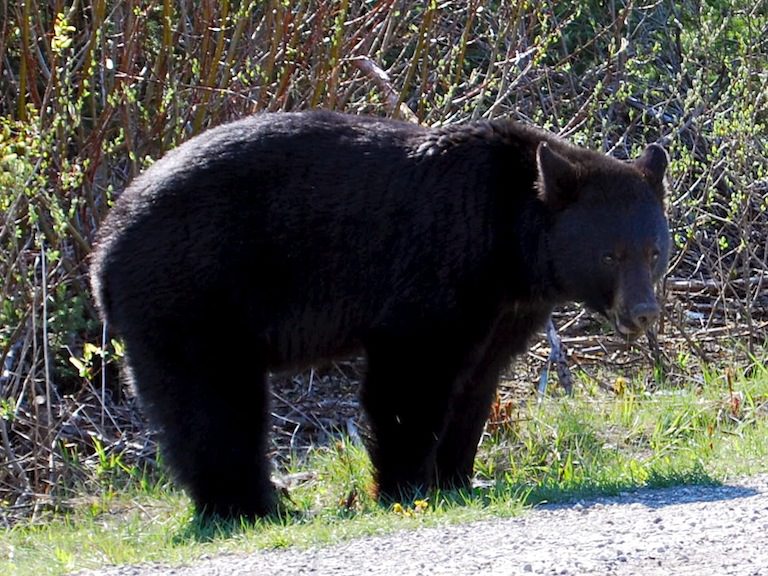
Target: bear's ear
[653,164]
[557,177]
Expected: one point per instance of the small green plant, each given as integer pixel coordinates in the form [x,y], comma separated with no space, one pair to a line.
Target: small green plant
[85,363]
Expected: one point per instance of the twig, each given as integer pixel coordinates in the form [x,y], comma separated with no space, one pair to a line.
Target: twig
[557,357]
[381,79]
[12,460]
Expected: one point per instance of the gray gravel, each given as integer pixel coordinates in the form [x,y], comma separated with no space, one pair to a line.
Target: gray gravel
[701,530]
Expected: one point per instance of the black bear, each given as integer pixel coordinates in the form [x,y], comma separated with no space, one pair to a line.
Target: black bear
[282,239]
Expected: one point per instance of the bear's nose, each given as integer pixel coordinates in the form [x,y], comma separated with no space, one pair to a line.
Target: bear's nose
[644,314]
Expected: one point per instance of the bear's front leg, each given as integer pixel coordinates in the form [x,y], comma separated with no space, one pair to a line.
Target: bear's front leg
[475,393]
[406,397]
[459,442]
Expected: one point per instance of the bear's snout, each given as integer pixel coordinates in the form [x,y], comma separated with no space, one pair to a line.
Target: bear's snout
[635,319]
[644,314]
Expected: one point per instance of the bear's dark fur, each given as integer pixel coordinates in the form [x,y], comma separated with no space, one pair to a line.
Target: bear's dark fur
[283,239]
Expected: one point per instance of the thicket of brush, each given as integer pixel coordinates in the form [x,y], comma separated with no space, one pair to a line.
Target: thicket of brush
[91,92]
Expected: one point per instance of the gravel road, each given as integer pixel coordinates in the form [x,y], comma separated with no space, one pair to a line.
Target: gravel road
[701,530]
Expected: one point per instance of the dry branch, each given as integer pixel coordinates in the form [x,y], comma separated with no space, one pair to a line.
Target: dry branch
[382,81]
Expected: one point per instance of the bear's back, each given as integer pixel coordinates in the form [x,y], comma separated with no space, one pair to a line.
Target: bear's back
[324,222]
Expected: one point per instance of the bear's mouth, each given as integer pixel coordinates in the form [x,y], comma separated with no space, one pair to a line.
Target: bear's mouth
[621,324]
[624,326]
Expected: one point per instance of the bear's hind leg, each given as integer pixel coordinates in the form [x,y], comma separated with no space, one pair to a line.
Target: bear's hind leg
[210,406]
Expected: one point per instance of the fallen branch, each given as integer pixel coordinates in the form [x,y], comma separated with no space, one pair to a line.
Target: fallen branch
[711,285]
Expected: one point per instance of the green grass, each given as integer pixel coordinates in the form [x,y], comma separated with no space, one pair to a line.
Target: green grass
[556,450]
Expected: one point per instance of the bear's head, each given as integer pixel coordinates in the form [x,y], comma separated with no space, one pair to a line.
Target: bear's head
[608,243]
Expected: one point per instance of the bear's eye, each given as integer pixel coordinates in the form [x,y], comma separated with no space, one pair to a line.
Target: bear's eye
[655,255]
[608,259]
